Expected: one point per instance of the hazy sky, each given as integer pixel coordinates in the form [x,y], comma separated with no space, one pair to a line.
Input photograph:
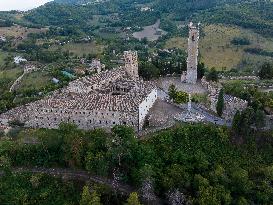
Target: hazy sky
[6,5]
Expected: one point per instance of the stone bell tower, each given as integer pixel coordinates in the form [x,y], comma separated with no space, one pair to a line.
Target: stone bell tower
[131,64]
[192,60]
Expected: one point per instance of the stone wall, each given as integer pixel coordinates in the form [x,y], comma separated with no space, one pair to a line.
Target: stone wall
[232,104]
[47,117]
[145,106]
[35,116]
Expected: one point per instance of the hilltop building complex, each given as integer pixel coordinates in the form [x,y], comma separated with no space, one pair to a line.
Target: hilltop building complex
[120,97]
[103,100]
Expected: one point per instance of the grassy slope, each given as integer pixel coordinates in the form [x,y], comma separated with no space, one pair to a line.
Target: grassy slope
[35,80]
[2,57]
[81,48]
[10,76]
[217,51]
[16,31]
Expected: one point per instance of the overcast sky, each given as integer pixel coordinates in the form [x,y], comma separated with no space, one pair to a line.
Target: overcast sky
[6,5]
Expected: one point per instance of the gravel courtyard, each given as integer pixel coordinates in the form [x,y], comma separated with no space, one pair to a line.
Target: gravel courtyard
[164,83]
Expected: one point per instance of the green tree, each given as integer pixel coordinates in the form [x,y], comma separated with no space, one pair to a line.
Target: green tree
[259,119]
[200,70]
[247,119]
[133,199]
[236,122]
[95,198]
[176,176]
[241,183]
[181,97]
[97,163]
[148,70]
[220,103]
[89,199]
[5,164]
[242,201]
[172,91]
[266,71]
[212,75]
[122,145]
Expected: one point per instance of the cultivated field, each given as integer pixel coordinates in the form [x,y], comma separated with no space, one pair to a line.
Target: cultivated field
[81,48]
[18,31]
[35,80]
[217,51]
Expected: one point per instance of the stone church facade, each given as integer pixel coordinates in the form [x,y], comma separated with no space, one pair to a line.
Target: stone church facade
[103,100]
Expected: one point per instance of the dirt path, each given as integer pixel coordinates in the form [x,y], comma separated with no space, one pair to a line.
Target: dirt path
[17,82]
[27,69]
[73,174]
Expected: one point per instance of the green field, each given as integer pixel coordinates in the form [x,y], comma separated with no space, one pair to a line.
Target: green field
[11,74]
[2,57]
[37,80]
[19,31]
[217,51]
[7,77]
[81,48]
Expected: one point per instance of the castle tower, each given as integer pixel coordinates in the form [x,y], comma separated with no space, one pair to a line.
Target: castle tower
[131,64]
[192,61]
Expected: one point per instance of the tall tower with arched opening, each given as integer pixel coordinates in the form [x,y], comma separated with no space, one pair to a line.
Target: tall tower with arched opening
[193,50]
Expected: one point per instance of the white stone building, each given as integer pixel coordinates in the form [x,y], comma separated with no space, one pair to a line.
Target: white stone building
[19,59]
[115,97]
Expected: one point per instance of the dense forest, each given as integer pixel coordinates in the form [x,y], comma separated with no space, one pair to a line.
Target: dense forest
[206,164]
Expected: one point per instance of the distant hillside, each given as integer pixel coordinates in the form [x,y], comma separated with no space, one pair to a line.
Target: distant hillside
[54,14]
[72,1]
[129,10]
[255,15]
